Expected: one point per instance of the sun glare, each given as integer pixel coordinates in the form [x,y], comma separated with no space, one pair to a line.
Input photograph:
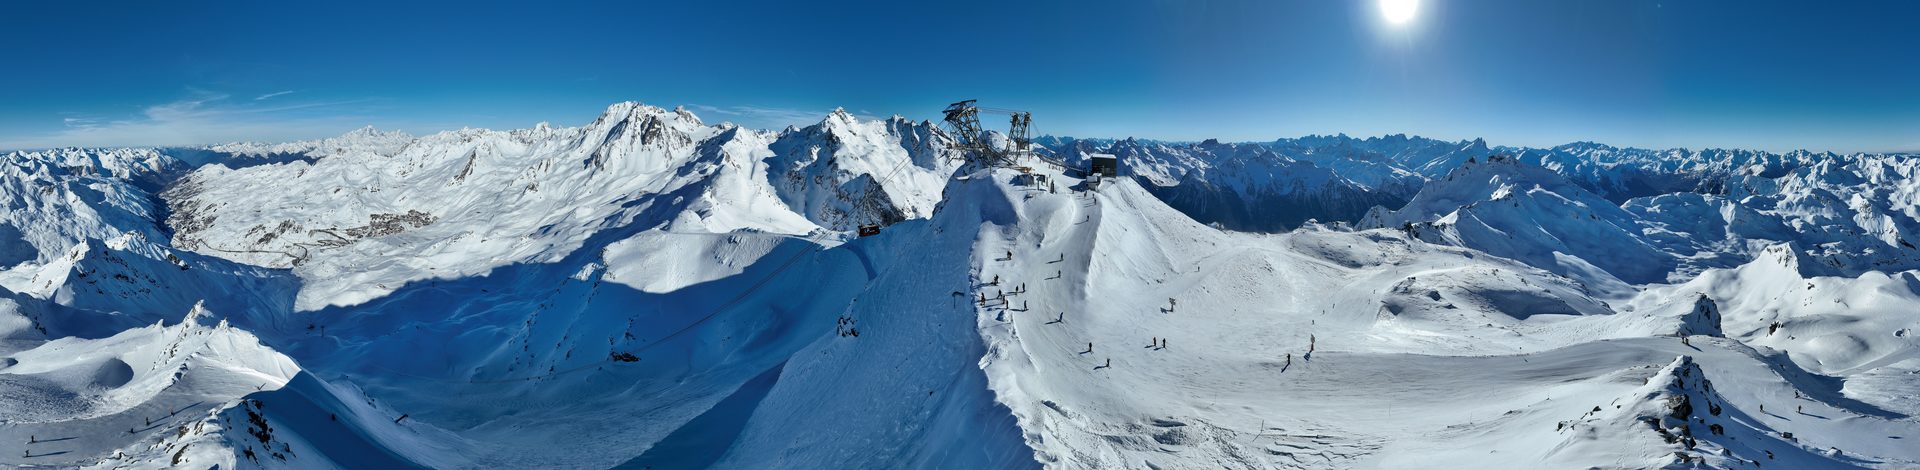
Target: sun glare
[1399,12]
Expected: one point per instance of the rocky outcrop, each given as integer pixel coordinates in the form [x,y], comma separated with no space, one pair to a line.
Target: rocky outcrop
[1703,319]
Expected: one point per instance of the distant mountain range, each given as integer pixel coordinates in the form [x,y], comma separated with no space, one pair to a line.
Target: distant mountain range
[650,290]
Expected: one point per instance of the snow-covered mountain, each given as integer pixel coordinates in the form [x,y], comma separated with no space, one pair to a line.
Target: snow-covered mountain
[1515,210]
[462,203]
[1248,186]
[648,290]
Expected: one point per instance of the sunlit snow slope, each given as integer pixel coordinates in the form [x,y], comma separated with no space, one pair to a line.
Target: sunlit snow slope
[649,290]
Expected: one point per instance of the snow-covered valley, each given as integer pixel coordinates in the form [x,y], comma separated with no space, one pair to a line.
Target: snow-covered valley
[649,290]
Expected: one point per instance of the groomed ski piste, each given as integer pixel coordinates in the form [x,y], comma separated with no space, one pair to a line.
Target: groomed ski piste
[1323,349]
[650,291]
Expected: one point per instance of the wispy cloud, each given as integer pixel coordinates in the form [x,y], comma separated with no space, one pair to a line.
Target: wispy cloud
[204,117]
[80,122]
[211,117]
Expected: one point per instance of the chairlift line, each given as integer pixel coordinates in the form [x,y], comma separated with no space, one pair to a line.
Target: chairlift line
[963,116]
[605,361]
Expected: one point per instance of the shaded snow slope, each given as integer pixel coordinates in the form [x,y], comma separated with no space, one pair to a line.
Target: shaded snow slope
[899,384]
[1247,186]
[728,370]
[648,290]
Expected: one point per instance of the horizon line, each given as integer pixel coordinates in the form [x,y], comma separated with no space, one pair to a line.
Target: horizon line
[416,135]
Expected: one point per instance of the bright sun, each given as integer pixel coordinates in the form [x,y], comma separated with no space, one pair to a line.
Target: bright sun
[1399,12]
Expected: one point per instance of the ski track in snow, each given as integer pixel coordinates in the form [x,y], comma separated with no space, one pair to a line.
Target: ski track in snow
[649,290]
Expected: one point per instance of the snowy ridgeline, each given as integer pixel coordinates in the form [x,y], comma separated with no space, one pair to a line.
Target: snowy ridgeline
[651,291]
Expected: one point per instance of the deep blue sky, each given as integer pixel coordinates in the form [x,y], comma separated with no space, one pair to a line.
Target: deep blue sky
[1776,75]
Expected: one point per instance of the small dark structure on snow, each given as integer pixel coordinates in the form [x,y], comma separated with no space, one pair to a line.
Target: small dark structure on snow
[1101,167]
[1107,166]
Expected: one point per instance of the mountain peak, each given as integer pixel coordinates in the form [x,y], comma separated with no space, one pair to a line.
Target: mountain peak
[1782,256]
[199,311]
[840,115]
[370,132]
[628,109]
